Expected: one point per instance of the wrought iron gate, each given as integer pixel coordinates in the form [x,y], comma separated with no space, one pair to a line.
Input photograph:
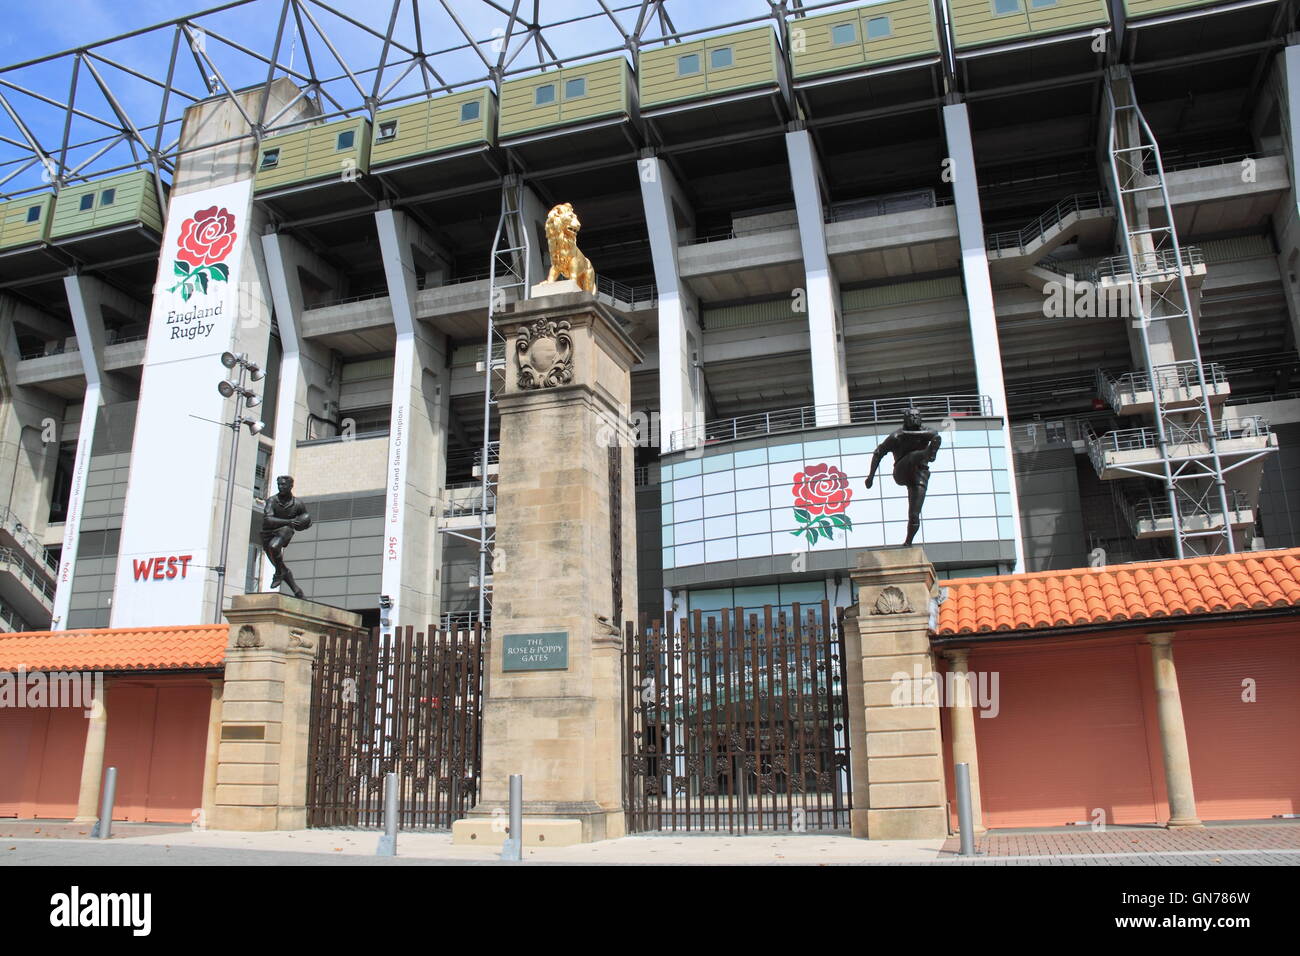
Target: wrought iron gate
[410,703]
[737,726]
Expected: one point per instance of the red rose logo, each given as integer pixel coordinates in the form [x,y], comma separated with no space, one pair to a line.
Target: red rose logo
[821,497]
[206,239]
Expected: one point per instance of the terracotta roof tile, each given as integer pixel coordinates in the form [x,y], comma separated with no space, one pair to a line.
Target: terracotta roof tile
[194,646]
[1158,589]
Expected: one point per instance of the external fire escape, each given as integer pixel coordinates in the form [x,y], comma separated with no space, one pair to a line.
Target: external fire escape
[1196,471]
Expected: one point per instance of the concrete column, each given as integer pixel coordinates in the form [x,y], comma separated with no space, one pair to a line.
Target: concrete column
[92,761]
[211,752]
[27,457]
[895,743]
[86,298]
[555,717]
[417,461]
[681,338]
[825,326]
[963,728]
[1173,734]
[261,773]
[1287,218]
[979,291]
[303,362]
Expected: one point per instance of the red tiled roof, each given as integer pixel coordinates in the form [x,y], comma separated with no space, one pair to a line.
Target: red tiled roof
[189,647]
[1254,580]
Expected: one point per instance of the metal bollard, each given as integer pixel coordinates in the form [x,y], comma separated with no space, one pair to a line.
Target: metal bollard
[388,842]
[103,827]
[513,848]
[964,815]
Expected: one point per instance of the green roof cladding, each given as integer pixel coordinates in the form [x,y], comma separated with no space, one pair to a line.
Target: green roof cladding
[862,37]
[698,69]
[558,98]
[24,221]
[983,22]
[435,125]
[332,150]
[104,203]
[1144,8]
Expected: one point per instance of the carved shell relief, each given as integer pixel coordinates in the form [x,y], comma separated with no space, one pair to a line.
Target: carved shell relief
[891,600]
[247,637]
[544,354]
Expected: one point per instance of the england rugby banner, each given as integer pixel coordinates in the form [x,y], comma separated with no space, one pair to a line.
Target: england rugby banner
[164,560]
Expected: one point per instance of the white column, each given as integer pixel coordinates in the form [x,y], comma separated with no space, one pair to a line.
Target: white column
[681,403]
[84,299]
[979,292]
[416,441]
[825,328]
[302,363]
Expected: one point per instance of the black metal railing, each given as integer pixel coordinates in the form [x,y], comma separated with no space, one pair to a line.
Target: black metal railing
[862,412]
[735,725]
[409,704]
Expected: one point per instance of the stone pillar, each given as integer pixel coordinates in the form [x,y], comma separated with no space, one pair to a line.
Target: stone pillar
[897,751]
[553,707]
[210,753]
[261,776]
[963,728]
[1173,734]
[92,761]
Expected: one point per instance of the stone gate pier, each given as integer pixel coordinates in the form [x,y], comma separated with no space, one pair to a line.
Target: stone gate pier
[564,574]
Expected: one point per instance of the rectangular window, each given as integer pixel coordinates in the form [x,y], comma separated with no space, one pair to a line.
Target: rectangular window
[878,28]
[387,131]
[87,202]
[107,196]
[544,94]
[688,65]
[346,139]
[720,58]
[575,88]
[34,214]
[469,111]
[271,158]
[1002,8]
[1042,4]
[843,34]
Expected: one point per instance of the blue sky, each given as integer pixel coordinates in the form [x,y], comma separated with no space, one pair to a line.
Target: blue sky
[37,28]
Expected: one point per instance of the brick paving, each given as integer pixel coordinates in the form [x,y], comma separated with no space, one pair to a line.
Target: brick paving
[1134,840]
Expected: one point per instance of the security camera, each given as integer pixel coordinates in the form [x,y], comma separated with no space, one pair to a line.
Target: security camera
[385,601]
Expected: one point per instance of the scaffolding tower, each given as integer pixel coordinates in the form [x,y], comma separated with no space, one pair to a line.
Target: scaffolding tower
[1193,475]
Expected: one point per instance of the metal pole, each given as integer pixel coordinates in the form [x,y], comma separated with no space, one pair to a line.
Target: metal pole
[103,829]
[513,848]
[230,499]
[388,842]
[964,820]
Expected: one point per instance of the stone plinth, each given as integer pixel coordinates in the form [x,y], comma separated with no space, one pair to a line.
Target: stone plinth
[559,540]
[897,753]
[261,779]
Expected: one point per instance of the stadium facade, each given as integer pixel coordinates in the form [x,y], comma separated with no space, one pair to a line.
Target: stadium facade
[1066,231]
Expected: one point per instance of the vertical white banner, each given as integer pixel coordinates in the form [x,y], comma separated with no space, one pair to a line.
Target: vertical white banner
[395,505]
[164,560]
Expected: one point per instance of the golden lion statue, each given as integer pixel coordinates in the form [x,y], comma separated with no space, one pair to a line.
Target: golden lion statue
[567,260]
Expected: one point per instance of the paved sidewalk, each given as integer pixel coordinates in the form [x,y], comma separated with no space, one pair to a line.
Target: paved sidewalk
[1279,835]
[29,843]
